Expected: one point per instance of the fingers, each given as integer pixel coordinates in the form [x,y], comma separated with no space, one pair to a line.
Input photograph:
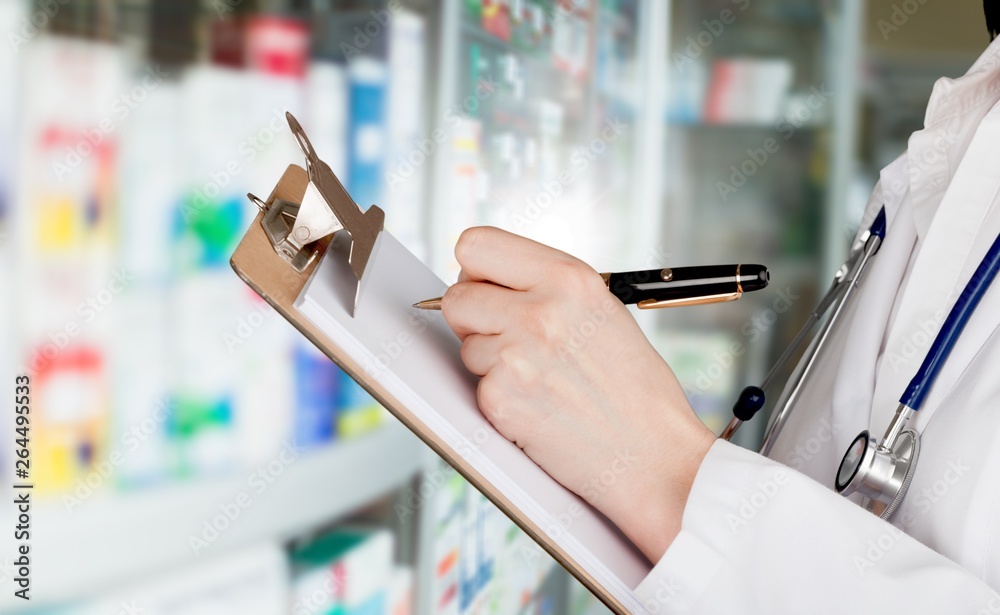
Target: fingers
[490,403]
[480,353]
[479,307]
[491,254]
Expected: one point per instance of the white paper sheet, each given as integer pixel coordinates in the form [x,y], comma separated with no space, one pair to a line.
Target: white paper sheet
[415,356]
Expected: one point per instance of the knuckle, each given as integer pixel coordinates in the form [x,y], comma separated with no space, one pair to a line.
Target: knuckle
[540,320]
[468,240]
[520,367]
[467,349]
[471,353]
[488,394]
[574,275]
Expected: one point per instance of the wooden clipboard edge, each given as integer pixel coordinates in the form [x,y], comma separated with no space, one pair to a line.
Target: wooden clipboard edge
[259,266]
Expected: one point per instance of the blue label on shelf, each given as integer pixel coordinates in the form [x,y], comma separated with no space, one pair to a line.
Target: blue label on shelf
[366,133]
[317,381]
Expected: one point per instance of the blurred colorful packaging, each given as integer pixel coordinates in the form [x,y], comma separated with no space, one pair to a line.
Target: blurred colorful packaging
[206,379]
[470,581]
[260,342]
[496,18]
[11,17]
[209,222]
[234,387]
[483,563]
[350,571]
[401,595]
[357,412]
[748,90]
[447,510]
[62,227]
[277,45]
[473,10]
[366,149]
[326,113]
[317,380]
[70,416]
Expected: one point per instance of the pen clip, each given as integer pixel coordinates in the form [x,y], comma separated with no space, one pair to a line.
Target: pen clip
[652,304]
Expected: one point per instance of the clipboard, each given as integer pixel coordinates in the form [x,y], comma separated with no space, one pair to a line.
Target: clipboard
[280,280]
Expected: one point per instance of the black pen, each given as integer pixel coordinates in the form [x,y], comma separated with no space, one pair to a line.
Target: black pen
[674,286]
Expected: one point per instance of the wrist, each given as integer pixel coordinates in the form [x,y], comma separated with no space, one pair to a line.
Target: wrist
[651,514]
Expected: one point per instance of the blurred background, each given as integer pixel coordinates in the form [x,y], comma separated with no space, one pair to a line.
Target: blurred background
[191,454]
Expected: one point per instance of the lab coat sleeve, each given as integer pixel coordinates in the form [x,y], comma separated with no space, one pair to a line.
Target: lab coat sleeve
[760,538]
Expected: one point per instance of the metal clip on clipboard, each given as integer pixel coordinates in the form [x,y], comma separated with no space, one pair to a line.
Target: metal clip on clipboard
[295,229]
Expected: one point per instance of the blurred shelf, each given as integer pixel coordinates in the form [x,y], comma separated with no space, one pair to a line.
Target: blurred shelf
[746,126]
[118,539]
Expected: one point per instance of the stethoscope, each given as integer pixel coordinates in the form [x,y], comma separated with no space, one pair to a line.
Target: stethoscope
[880,470]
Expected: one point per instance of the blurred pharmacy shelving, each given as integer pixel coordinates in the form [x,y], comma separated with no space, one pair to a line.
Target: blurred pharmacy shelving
[735,140]
[902,65]
[553,142]
[166,396]
[91,545]
[759,155]
[602,127]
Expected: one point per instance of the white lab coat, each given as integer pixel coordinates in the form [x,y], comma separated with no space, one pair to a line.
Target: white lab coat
[771,536]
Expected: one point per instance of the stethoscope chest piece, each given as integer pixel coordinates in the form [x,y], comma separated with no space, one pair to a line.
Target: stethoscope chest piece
[882,474]
[882,471]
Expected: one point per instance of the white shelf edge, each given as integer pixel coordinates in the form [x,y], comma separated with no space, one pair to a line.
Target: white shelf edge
[121,539]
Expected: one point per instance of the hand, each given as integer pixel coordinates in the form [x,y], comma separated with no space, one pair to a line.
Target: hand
[569,377]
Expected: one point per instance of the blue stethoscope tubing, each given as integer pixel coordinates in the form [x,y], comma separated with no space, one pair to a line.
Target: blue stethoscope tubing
[916,392]
[880,470]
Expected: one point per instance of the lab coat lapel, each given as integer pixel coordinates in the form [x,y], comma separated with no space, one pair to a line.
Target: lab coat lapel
[955,109]
[978,178]
[951,192]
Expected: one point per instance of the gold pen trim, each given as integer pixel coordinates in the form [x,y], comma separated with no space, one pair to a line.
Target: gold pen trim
[651,304]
